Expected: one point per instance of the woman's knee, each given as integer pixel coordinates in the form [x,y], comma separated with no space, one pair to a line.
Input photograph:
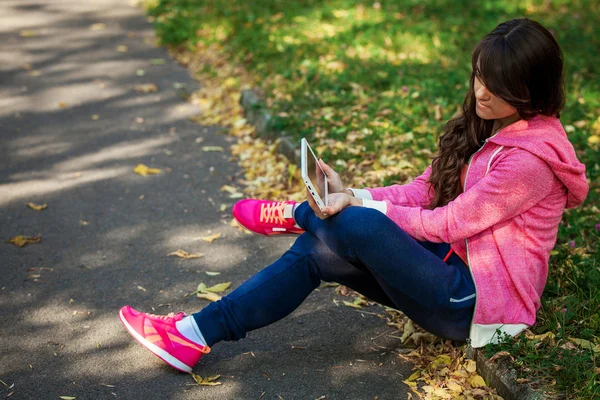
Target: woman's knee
[360,222]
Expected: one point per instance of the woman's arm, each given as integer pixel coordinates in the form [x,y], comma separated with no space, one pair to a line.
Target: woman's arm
[518,182]
[413,194]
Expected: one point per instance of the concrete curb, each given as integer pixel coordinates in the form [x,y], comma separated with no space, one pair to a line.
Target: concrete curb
[257,115]
[499,375]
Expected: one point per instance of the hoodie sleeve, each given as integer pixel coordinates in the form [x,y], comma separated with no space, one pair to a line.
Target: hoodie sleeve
[413,194]
[516,183]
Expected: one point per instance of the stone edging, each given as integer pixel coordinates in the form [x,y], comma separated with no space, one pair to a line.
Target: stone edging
[499,374]
[256,114]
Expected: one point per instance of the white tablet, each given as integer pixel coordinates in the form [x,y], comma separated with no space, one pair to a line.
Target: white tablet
[313,176]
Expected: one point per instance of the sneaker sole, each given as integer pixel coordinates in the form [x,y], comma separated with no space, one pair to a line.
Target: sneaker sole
[157,351]
[264,234]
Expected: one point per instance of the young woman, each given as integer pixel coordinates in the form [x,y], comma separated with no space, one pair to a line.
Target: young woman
[462,250]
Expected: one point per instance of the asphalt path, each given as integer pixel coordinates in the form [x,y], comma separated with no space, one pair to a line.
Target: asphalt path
[72,129]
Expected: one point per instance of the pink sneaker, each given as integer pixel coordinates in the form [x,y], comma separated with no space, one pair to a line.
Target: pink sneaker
[265,217]
[159,334]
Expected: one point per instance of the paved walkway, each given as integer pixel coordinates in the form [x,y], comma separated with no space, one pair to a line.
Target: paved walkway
[72,128]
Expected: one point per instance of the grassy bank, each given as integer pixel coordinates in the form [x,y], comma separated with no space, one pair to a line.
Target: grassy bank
[371,85]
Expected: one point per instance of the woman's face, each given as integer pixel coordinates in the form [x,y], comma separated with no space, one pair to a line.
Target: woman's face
[489,106]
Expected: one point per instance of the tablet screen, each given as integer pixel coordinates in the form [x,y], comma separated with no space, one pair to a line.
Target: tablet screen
[315,173]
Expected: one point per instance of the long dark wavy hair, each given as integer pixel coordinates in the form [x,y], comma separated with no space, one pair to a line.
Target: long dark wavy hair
[520,62]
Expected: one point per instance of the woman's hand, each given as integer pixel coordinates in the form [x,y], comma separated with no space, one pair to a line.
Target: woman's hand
[334,183]
[337,202]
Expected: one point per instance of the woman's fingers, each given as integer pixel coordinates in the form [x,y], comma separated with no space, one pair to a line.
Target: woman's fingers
[313,204]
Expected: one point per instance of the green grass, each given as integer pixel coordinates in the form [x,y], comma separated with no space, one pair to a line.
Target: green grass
[363,82]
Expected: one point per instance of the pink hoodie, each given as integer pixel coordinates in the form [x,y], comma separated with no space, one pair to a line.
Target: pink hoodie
[516,188]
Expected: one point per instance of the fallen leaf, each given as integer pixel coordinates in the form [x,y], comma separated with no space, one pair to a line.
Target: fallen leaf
[97,27]
[146,88]
[37,207]
[470,366]
[23,240]
[143,170]
[143,289]
[140,72]
[500,354]
[209,296]
[349,304]
[83,223]
[210,273]
[35,73]
[212,148]
[230,189]
[67,397]
[28,33]
[95,117]
[220,287]
[476,381]
[211,238]
[223,207]
[208,381]
[157,61]
[122,48]
[586,344]
[185,254]
[62,104]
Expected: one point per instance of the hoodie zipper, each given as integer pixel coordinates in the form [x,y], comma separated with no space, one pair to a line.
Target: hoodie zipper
[469,349]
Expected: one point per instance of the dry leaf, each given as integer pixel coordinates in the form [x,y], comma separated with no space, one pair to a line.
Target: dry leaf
[143,170]
[122,48]
[220,287]
[146,88]
[210,273]
[185,254]
[140,72]
[143,289]
[97,27]
[476,381]
[95,117]
[209,296]
[157,61]
[208,381]
[37,207]
[586,344]
[470,366]
[28,33]
[353,305]
[212,148]
[211,238]
[67,397]
[223,207]
[62,104]
[23,240]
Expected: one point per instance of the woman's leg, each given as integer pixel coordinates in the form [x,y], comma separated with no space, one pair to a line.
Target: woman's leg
[280,288]
[438,296]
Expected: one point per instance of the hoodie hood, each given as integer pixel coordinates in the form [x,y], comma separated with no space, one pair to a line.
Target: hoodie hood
[545,137]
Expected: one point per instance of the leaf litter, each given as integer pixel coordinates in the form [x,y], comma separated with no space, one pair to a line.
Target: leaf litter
[21,241]
[184,254]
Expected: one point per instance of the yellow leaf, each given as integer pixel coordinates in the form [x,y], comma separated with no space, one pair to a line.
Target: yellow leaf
[476,381]
[223,207]
[37,207]
[211,238]
[230,189]
[97,27]
[410,380]
[143,170]
[444,359]
[212,148]
[28,33]
[185,254]
[143,289]
[586,344]
[67,397]
[594,139]
[95,117]
[347,303]
[23,240]
[208,296]
[146,88]
[62,104]
[220,287]
[408,330]
[455,387]
[210,273]
[122,48]
[470,366]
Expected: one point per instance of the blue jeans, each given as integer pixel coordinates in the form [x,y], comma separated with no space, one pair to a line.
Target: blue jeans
[360,248]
